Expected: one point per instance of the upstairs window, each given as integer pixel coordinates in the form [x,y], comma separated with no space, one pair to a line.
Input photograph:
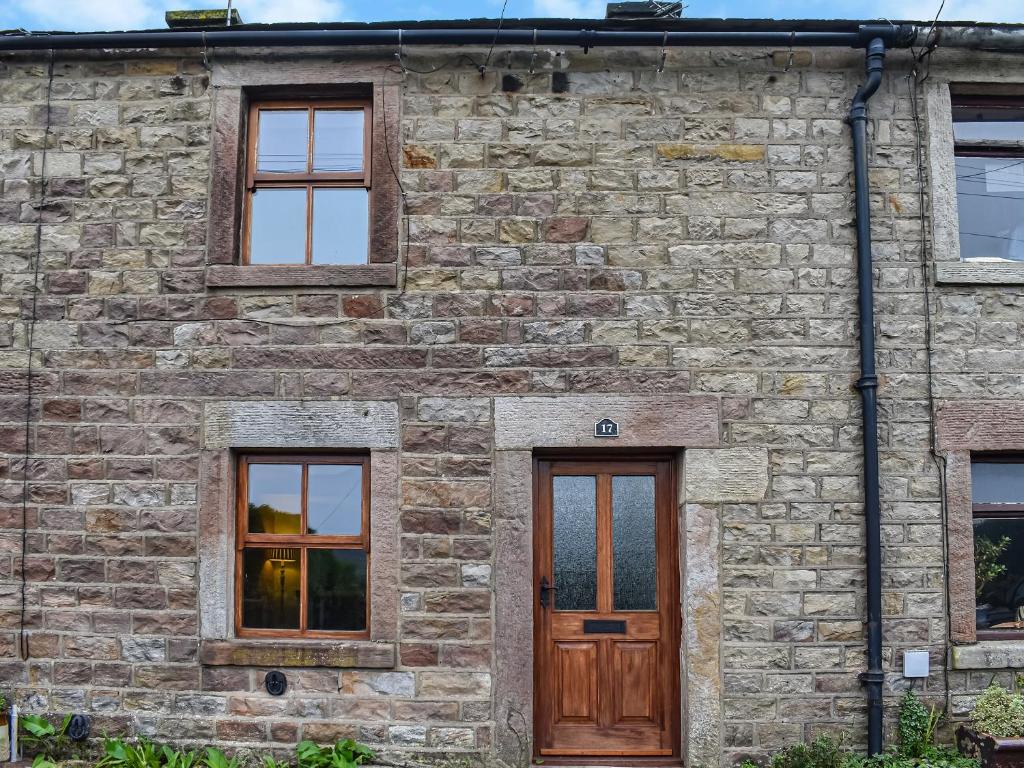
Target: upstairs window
[997,498]
[303,546]
[308,183]
[988,133]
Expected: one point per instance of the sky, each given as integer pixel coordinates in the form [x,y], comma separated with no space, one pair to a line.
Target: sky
[96,15]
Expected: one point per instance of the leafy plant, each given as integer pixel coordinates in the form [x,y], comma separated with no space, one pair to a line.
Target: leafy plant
[987,567]
[270,762]
[118,753]
[916,727]
[48,742]
[935,757]
[825,752]
[214,758]
[344,754]
[999,713]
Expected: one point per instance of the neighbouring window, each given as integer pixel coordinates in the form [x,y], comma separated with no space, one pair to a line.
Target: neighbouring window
[988,133]
[997,498]
[303,545]
[308,183]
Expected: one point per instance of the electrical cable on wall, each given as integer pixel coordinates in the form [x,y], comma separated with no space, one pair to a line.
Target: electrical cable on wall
[23,650]
[914,81]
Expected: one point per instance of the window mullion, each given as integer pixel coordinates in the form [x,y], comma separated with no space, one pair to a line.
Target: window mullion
[303,587]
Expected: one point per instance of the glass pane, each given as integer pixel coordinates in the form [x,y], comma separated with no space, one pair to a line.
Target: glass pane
[990,201]
[277,234]
[634,554]
[335,499]
[575,542]
[275,498]
[338,140]
[341,225]
[270,588]
[988,123]
[282,144]
[337,589]
[997,482]
[999,572]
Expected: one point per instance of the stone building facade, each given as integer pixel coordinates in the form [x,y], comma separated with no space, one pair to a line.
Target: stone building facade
[668,244]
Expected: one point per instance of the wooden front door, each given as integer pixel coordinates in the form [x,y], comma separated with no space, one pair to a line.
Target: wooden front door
[606,609]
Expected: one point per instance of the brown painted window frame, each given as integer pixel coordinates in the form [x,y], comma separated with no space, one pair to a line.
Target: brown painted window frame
[311,179]
[302,542]
[997,511]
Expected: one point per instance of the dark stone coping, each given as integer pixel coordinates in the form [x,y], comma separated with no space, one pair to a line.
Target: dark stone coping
[226,276]
[363,654]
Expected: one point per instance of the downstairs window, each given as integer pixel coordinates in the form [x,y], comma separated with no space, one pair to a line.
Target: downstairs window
[997,498]
[303,546]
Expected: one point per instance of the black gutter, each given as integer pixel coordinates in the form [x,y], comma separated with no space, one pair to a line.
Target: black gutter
[873,677]
[586,38]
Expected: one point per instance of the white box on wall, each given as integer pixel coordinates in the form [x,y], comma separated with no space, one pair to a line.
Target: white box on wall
[915,663]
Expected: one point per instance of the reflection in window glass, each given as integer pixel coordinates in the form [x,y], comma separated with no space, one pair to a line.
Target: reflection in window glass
[282,141]
[574,506]
[994,482]
[338,140]
[335,499]
[999,572]
[340,225]
[270,588]
[337,589]
[988,122]
[275,498]
[990,201]
[634,551]
[278,231]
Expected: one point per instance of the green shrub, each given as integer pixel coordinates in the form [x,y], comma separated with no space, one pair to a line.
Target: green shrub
[916,727]
[935,757]
[999,713]
[49,743]
[823,752]
[344,754]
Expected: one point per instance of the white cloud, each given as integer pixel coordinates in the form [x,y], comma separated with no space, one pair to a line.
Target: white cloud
[270,11]
[956,10]
[570,9]
[77,15]
[89,15]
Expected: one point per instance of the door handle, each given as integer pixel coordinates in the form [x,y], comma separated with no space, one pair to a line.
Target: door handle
[545,588]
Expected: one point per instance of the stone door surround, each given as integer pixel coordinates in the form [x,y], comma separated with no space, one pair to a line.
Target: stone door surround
[524,425]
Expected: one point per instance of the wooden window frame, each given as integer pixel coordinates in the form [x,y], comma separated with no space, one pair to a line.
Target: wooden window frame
[303,542]
[255,180]
[990,511]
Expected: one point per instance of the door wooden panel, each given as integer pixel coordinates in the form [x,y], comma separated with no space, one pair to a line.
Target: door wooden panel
[636,682]
[577,682]
[606,608]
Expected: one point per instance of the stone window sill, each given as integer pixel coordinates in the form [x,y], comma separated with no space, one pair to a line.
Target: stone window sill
[979,273]
[989,654]
[363,654]
[343,275]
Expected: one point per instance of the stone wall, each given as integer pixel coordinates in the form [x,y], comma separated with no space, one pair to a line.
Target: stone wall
[681,232]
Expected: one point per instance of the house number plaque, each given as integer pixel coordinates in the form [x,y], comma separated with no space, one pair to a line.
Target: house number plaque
[606,428]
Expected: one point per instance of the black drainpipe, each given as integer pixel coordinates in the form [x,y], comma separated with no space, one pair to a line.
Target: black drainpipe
[873,677]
